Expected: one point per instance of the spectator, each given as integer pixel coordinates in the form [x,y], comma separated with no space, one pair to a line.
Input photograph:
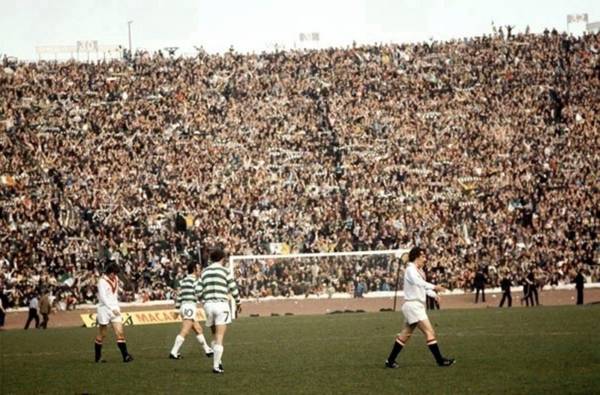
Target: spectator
[431,303]
[360,288]
[45,308]
[33,311]
[480,285]
[527,294]
[505,285]
[533,285]
[579,284]
[3,307]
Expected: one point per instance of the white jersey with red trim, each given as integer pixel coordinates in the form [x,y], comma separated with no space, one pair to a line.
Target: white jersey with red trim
[108,291]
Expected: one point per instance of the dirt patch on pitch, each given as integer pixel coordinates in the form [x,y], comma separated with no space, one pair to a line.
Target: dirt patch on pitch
[325,306]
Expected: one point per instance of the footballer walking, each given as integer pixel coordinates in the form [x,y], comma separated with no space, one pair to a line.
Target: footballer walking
[216,284]
[186,303]
[416,289]
[108,312]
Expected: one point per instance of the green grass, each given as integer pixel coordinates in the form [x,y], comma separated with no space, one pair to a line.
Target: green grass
[540,350]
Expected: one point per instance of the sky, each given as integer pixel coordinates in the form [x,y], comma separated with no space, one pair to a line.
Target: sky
[257,25]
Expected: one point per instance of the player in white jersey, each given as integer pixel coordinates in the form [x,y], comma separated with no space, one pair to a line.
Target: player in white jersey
[216,284]
[186,304]
[108,312]
[416,289]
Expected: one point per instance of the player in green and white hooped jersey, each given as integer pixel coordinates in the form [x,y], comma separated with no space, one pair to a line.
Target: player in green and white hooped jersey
[216,284]
[189,292]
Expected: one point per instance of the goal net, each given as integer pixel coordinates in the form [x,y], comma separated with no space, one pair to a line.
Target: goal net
[359,274]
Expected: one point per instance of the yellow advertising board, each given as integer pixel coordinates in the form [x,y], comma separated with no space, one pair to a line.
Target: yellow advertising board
[148,317]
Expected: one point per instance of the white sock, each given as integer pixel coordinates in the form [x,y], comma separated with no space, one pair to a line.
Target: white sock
[178,342]
[218,349]
[202,341]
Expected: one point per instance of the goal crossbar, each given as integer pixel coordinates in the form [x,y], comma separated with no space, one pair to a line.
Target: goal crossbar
[398,253]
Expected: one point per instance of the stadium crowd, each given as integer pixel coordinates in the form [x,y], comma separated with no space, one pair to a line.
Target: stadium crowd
[484,151]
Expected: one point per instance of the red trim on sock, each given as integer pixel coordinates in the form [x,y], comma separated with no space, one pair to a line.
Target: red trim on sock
[432,341]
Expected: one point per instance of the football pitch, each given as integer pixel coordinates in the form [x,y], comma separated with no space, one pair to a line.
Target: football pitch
[519,351]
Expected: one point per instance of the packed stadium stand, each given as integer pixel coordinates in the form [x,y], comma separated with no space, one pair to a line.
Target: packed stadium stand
[484,151]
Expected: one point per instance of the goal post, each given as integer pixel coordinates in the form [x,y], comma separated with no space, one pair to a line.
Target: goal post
[355,274]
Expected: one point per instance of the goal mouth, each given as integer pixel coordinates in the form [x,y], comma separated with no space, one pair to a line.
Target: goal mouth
[355,274]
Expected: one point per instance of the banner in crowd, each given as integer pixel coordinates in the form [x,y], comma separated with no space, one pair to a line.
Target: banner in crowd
[575,18]
[279,248]
[149,317]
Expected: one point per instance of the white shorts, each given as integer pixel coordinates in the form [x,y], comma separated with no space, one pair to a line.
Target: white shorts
[188,311]
[104,316]
[217,313]
[414,311]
